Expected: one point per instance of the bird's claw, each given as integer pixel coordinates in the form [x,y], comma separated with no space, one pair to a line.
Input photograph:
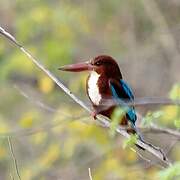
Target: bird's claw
[94,114]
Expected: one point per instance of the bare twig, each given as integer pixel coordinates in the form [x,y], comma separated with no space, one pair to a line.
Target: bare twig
[38,103]
[90,175]
[152,101]
[14,158]
[156,129]
[101,119]
[144,101]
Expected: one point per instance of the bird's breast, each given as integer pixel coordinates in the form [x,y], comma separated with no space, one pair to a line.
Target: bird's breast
[93,88]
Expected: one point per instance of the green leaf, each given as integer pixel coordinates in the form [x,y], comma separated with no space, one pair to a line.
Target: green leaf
[130,141]
[175,92]
[117,115]
[150,116]
[170,173]
[177,123]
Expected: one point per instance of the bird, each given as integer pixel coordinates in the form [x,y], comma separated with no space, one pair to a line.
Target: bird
[104,83]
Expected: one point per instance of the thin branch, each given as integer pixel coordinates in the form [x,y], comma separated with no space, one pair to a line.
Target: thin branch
[144,101]
[101,119]
[152,129]
[90,175]
[14,158]
[36,102]
[141,101]
[152,101]
[156,129]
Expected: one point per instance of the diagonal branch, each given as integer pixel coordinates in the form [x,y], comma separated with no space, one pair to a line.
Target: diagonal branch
[156,151]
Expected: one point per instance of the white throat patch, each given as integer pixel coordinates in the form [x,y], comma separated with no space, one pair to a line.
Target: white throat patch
[93,89]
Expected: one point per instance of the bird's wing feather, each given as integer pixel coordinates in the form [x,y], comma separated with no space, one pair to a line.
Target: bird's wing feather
[121,92]
[127,89]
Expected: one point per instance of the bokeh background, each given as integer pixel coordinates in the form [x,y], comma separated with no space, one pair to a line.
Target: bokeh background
[54,138]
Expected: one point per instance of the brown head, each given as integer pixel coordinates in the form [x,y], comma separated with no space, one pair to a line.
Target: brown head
[102,64]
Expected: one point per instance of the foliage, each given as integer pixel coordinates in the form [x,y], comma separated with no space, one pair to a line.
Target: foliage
[117,116]
[172,172]
[131,141]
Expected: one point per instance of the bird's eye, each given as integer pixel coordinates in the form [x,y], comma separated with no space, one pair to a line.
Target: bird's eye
[97,63]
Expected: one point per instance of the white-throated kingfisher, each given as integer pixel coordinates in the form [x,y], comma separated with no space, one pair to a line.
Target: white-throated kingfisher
[105,82]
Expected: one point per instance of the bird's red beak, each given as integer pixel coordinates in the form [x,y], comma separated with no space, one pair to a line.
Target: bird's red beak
[86,66]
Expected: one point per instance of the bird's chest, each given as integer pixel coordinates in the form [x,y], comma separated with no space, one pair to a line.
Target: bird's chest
[93,88]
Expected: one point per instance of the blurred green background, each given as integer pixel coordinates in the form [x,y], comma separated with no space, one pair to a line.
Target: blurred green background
[59,140]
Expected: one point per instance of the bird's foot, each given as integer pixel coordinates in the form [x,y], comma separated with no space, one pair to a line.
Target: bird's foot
[94,114]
